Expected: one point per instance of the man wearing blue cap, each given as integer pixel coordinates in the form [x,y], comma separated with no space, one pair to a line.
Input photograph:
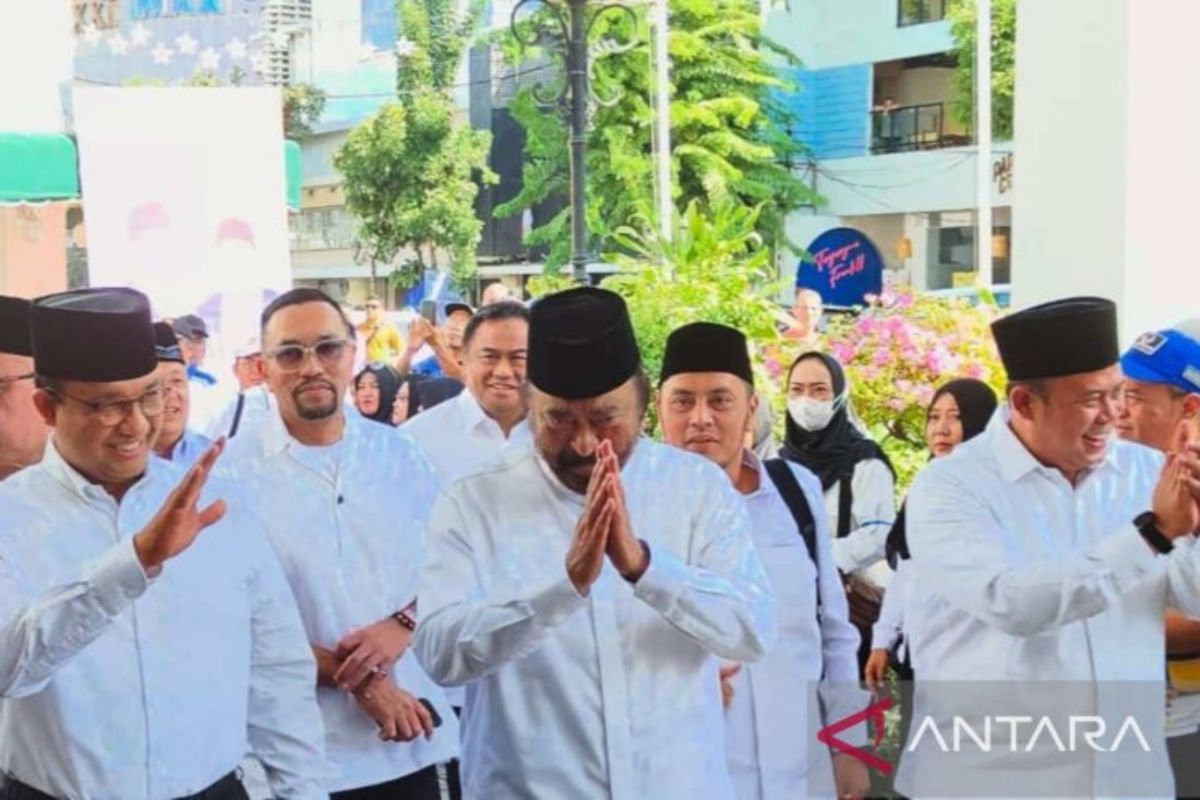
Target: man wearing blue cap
[1162,399]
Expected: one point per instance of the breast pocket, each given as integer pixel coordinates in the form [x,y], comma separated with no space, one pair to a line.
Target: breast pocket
[793,577]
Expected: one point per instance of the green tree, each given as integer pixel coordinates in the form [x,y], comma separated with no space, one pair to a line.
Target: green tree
[303,105]
[729,126]
[411,170]
[1004,44]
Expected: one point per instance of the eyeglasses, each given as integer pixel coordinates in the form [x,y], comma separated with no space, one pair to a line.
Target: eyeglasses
[291,357]
[7,381]
[115,412]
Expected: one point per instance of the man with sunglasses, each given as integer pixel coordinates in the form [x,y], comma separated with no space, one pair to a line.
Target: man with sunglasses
[148,639]
[345,501]
[22,432]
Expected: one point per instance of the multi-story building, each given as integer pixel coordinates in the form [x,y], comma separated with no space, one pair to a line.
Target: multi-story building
[887,156]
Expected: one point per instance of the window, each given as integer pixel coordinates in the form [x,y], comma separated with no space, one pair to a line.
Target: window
[329,228]
[918,12]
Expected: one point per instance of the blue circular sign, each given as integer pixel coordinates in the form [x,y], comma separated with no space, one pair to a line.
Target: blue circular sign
[845,267]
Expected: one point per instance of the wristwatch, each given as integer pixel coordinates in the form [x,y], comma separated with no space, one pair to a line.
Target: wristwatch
[405,620]
[1147,526]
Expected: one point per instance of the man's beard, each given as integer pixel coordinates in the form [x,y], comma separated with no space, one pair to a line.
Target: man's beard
[318,412]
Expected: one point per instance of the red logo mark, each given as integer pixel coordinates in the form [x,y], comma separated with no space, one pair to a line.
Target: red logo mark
[874,713]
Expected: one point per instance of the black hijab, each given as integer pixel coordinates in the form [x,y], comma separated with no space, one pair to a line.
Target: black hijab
[976,405]
[389,383]
[833,452]
[434,391]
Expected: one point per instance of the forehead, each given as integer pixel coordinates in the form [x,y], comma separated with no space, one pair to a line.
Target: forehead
[1147,389]
[945,402]
[459,317]
[368,379]
[702,383]
[510,333]
[11,364]
[1104,380]
[304,322]
[172,370]
[807,296]
[617,400]
[89,390]
[811,370]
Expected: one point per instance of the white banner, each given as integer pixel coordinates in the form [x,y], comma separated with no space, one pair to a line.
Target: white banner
[184,199]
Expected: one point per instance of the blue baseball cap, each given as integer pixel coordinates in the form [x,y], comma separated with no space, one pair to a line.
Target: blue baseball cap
[1171,357]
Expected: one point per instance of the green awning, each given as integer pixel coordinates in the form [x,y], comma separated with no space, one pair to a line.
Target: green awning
[37,167]
[295,172]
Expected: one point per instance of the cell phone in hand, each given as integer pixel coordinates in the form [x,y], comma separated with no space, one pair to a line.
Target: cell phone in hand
[429,311]
[437,720]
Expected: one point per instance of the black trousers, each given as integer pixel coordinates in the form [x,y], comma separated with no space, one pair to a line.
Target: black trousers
[228,788]
[1185,763]
[423,785]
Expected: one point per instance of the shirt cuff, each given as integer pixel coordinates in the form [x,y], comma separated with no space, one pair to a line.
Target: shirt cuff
[663,582]
[556,602]
[117,578]
[1128,555]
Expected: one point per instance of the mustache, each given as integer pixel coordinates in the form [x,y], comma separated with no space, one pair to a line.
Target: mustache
[315,382]
[569,459]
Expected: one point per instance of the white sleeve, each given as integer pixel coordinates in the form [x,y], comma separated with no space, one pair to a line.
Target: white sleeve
[723,600]
[464,634]
[954,536]
[873,512]
[891,616]
[284,724]
[44,627]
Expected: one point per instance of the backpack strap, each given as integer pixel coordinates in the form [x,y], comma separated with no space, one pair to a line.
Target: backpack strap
[845,505]
[793,496]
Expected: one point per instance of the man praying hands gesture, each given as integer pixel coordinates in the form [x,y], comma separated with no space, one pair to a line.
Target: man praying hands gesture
[604,528]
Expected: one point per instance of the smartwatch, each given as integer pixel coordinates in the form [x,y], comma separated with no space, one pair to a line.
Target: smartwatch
[1148,528]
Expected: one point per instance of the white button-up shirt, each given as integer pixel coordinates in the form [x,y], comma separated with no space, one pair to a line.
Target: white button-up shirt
[458,437]
[189,448]
[115,686]
[1021,577]
[767,739]
[613,694]
[348,523]
[872,512]
[258,405]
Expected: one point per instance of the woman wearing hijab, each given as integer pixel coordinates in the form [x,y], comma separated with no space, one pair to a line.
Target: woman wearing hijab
[375,391]
[856,477]
[416,394]
[959,411]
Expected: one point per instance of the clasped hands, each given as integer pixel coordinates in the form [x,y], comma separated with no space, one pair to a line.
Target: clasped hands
[1176,502]
[604,530]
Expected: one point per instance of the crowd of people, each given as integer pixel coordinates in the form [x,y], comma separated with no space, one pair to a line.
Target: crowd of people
[475,575]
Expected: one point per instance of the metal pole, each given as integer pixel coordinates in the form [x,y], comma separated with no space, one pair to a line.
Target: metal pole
[983,140]
[662,122]
[577,68]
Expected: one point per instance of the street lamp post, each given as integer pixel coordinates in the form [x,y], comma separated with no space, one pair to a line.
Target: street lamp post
[567,40]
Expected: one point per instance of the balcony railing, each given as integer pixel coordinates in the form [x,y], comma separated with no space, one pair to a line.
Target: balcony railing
[905,128]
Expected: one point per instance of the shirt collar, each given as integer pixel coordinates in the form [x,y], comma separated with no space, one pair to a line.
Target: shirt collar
[1014,458]
[275,438]
[473,416]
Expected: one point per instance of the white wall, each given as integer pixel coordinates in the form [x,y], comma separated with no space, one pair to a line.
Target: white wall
[832,33]
[1108,156]
[36,53]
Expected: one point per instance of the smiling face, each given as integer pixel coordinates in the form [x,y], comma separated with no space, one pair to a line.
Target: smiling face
[567,432]
[314,391]
[707,413]
[494,367]
[111,455]
[1069,422]
[176,405]
[1153,412]
[943,428]
[366,395]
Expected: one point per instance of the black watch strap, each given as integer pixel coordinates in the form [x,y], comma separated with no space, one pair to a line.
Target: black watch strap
[1148,528]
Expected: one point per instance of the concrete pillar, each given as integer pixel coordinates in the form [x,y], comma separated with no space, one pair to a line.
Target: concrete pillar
[1107,161]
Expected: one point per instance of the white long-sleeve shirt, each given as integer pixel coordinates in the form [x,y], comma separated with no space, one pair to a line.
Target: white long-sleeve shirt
[613,694]
[189,448]
[348,522]
[116,686]
[1024,579]
[872,512]
[890,626]
[458,437]
[769,719]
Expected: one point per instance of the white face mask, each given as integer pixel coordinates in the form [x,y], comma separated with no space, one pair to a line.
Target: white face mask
[809,414]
